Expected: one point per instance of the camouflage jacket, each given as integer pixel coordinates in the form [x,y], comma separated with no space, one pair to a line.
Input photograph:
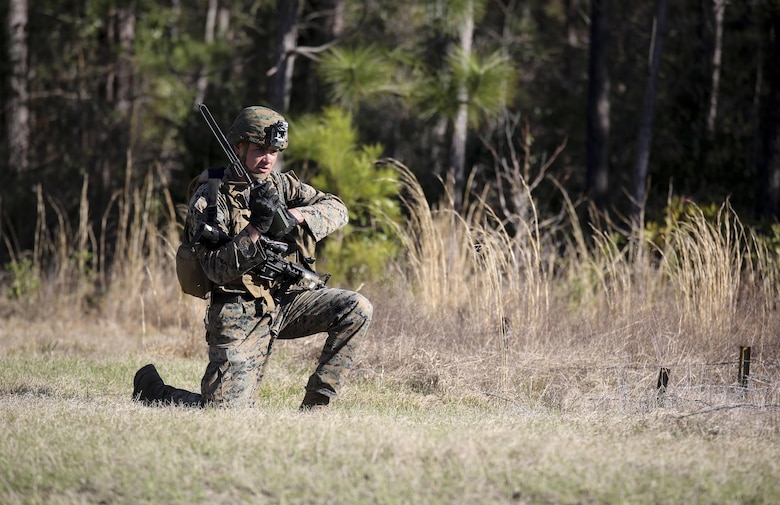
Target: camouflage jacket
[229,266]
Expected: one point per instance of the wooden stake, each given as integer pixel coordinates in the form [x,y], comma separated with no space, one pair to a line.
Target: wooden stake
[744,365]
[663,380]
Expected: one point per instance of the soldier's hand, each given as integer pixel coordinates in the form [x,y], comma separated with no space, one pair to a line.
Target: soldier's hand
[263,202]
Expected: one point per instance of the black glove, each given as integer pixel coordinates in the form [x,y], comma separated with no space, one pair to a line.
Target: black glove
[263,202]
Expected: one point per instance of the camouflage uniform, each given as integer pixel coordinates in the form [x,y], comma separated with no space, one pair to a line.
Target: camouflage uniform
[246,314]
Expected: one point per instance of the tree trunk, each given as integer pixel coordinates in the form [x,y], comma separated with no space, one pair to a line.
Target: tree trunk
[571,54]
[308,93]
[126,69]
[120,93]
[332,14]
[598,121]
[18,117]
[770,132]
[208,37]
[337,23]
[718,8]
[286,44]
[647,115]
[460,122]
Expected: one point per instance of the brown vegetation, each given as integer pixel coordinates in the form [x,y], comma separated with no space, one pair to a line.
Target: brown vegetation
[469,312]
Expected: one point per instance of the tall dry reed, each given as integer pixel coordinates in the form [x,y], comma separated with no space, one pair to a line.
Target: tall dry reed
[600,306]
[114,271]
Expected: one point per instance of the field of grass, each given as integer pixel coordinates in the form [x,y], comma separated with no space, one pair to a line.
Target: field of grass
[71,435]
[496,370]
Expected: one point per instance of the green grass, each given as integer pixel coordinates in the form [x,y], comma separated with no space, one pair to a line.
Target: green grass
[72,435]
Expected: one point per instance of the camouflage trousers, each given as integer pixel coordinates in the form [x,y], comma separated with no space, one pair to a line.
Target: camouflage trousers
[241,335]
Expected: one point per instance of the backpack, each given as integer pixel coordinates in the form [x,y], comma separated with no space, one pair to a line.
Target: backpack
[192,278]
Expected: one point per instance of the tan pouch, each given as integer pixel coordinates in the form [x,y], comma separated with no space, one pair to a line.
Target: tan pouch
[192,279]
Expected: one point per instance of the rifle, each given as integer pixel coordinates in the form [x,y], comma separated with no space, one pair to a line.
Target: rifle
[275,265]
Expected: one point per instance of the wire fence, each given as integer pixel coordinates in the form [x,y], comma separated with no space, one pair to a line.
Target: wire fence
[701,388]
[743,387]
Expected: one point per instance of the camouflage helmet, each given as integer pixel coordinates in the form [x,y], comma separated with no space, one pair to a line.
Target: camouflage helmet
[259,125]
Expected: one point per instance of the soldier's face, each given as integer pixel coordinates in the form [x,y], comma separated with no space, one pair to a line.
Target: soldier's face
[260,160]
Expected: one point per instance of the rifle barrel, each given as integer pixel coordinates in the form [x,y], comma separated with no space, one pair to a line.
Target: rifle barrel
[224,144]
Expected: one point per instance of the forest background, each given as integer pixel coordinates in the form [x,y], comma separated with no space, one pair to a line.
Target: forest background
[628,108]
[564,213]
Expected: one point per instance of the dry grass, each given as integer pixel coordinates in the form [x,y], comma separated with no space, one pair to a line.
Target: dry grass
[469,310]
[530,349]
[587,328]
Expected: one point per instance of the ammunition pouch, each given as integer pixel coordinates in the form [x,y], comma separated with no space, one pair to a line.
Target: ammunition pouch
[192,279]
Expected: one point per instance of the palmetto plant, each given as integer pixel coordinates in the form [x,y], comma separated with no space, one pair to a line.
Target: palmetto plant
[367,74]
[489,81]
[357,76]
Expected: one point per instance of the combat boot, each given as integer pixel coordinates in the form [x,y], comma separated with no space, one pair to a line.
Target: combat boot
[148,386]
[314,401]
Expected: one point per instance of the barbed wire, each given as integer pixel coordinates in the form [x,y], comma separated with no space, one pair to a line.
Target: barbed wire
[688,389]
[656,366]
